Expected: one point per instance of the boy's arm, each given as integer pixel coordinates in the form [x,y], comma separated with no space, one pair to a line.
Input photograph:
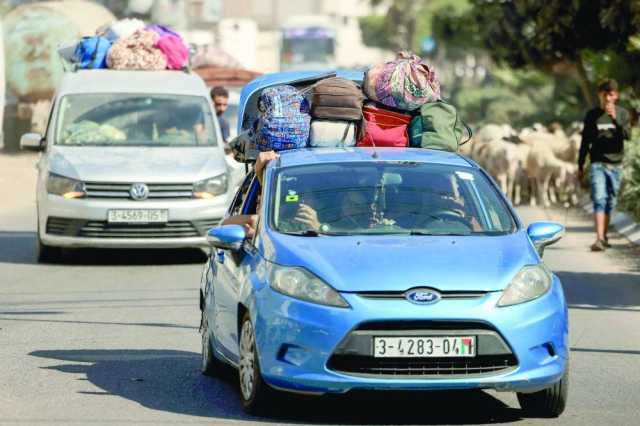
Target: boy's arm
[623,123]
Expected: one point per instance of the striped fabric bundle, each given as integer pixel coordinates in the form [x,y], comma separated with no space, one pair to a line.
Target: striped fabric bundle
[406,83]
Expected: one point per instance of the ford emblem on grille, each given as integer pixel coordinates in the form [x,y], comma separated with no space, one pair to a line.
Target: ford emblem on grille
[422,296]
[139,191]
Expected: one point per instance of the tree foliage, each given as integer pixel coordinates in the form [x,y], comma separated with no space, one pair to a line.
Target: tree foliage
[552,36]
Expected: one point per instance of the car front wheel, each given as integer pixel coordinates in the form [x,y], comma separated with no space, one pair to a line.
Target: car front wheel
[254,392]
[209,363]
[549,402]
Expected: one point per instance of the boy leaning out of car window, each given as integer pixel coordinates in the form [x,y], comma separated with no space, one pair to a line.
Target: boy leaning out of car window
[250,221]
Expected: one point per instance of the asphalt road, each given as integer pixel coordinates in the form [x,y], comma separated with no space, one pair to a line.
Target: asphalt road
[110,337]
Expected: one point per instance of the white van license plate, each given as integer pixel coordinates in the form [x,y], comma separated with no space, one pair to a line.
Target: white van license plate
[138,216]
[424,347]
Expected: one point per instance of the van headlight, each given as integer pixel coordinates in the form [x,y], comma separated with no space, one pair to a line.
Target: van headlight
[211,187]
[303,285]
[65,187]
[530,283]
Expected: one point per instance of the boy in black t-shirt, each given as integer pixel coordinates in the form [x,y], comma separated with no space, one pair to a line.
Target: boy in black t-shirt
[605,129]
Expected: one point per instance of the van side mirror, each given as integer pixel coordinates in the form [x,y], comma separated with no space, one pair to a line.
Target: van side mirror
[31,142]
[543,234]
[226,237]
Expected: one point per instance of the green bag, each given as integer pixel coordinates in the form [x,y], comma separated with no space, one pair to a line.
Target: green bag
[437,127]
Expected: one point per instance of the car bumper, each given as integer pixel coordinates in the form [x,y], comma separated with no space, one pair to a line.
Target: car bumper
[296,340]
[83,223]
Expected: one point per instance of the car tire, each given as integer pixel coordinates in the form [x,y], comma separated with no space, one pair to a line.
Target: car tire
[47,254]
[210,365]
[255,394]
[549,402]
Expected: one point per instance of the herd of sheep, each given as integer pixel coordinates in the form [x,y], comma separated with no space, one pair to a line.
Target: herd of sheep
[536,162]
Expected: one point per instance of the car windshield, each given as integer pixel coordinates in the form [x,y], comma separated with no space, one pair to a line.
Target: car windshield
[387,198]
[134,120]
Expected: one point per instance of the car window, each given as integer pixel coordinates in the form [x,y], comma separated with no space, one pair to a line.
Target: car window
[387,197]
[241,195]
[134,120]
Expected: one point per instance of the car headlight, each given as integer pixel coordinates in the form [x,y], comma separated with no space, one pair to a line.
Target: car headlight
[65,187]
[302,284]
[211,187]
[530,283]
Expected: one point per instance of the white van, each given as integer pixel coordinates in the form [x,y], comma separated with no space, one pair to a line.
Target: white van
[130,159]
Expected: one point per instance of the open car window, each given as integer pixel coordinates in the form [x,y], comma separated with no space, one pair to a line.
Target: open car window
[387,198]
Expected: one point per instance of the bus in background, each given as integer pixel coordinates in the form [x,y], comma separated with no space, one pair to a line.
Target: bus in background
[308,42]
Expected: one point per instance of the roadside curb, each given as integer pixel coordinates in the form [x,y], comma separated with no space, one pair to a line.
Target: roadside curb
[623,223]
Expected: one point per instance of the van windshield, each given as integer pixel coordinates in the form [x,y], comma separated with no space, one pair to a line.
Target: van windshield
[387,198]
[134,120]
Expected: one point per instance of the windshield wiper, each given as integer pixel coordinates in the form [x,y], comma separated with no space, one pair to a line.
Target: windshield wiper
[440,234]
[307,233]
[313,233]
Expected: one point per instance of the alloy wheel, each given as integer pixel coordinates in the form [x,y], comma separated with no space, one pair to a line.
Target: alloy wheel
[206,345]
[247,361]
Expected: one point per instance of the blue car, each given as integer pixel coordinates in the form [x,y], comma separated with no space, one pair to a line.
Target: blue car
[385,269]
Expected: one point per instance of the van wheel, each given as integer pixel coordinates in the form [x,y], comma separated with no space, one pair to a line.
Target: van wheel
[549,402]
[255,394]
[47,254]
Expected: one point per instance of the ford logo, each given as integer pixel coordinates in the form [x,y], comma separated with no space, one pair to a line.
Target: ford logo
[422,296]
[139,191]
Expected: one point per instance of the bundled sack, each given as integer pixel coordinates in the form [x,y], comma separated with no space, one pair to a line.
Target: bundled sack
[438,127]
[333,134]
[137,52]
[122,28]
[384,127]
[284,119]
[174,50]
[91,52]
[336,98]
[406,83]
[172,46]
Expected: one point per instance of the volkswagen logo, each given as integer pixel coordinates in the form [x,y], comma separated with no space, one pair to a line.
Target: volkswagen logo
[139,191]
[422,296]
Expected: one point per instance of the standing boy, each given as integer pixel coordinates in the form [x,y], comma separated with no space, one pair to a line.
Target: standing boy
[605,129]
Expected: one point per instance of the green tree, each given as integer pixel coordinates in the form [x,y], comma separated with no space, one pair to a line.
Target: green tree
[556,36]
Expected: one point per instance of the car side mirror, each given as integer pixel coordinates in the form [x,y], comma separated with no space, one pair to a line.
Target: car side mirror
[226,237]
[543,234]
[31,142]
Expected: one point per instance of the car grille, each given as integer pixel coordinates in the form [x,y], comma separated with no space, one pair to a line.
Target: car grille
[162,191]
[400,295]
[103,229]
[354,354]
[422,367]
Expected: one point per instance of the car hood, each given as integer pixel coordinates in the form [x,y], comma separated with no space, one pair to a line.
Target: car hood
[137,164]
[398,263]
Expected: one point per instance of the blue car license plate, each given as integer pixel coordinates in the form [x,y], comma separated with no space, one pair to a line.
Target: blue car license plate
[424,347]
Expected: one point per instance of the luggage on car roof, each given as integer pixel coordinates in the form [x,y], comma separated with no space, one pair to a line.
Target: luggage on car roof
[336,98]
[283,121]
[384,127]
[331,133]
[437,127]
[406,83]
